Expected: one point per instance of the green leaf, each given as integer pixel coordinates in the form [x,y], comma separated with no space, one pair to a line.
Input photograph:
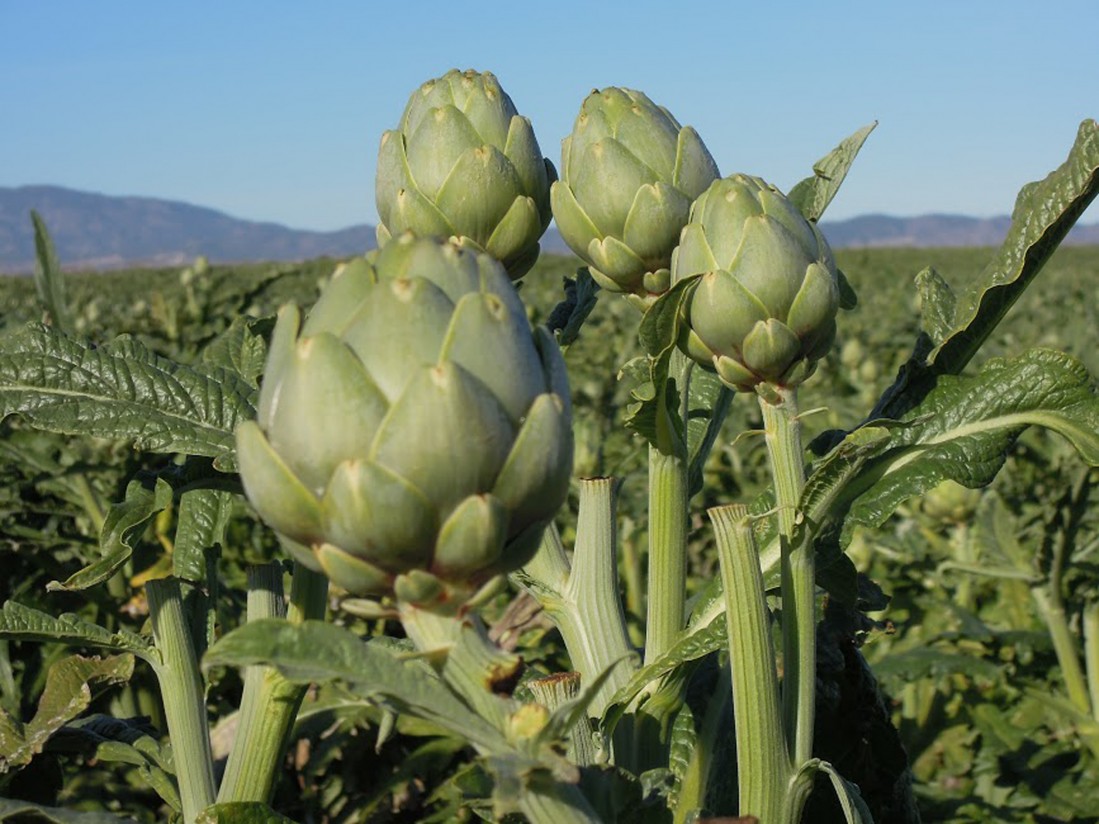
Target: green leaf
[203,518]
[708,403]
[851,801]
[568,316]
[241,812]
[25,624]
[1044,213]
[812,195]
[49,280]
[68,693]
[930,662]
[938,306]
[122,390]
[964,426]
[241,349]
[23,812]
[125,523]
[314,651]
[693,643]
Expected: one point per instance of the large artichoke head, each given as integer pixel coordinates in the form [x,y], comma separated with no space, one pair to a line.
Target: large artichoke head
[413,435]
[629,172]
[464,165]
[764,309]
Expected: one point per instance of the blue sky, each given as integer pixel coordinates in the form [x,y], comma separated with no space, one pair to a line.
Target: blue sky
[273,110]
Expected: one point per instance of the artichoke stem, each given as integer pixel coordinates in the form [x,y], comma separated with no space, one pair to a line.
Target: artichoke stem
[763,765]
[269,704]
[782,430]
[184,696]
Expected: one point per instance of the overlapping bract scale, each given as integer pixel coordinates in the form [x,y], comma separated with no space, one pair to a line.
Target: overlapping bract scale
[764,308]
[413,423]
[463,164]
[629,172]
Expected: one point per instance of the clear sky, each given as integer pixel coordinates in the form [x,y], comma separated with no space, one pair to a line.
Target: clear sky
[273,110]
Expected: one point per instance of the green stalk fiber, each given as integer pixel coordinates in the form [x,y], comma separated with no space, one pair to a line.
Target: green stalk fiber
[667,579]
[582,599]
[1052,612]
[183,693]
[269,704]
[764,768]
[798,585]
[1091,654]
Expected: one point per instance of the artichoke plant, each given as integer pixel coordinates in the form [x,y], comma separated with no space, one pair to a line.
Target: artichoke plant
[764,308]
[413,435]
[463,164]
[629,173]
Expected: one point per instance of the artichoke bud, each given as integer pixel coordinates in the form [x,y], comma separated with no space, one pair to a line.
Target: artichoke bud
[464,165]
[629,173]
[764,307]
[950,502]
[413,435]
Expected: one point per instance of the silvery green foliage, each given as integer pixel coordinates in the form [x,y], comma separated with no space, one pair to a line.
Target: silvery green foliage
[413,432]
[463,164]
[629,172]
[764,308]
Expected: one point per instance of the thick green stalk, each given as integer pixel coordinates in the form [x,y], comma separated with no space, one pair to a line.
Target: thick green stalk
[182,690]
[558,689]
[798,586]
[1091,653]
[1052,612]
[763,765]
[667,578]
[269,705]
[593,589]
[582,598]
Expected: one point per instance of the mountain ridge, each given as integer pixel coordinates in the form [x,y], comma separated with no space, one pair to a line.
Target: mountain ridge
[96,231]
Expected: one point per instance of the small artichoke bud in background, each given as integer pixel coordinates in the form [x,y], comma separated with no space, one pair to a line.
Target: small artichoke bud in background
[950,502]
[464,165]
[629,172]
[413,432]
[764,309]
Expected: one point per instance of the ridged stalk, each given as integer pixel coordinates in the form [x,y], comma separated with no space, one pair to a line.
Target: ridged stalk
[582,598]
[667,578]
[1091,654]
[798,585]
[182,690]
[764,769]
[269,704]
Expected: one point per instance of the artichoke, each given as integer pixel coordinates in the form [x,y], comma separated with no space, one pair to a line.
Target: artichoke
[413,435]
[764,308]
[464,165]
[629,172]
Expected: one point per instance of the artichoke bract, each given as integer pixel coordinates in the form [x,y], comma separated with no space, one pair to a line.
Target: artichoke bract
[414,435]
[629,173]
[464,164]
[764,308]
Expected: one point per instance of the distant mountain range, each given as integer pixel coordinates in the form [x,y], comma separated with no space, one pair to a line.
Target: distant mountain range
[94,231]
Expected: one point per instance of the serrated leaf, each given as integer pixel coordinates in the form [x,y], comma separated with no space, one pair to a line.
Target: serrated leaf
[693,643]
[203,519]
[314,651]
[242,348]
[1045,212]
[241,812]
[124,391]
[123,526]
[25,624]
[568,316]
[68,692]
[49,279]
[938,306]
[656,414]
[24,812]
[812,195]
[963,428]
[929,662]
